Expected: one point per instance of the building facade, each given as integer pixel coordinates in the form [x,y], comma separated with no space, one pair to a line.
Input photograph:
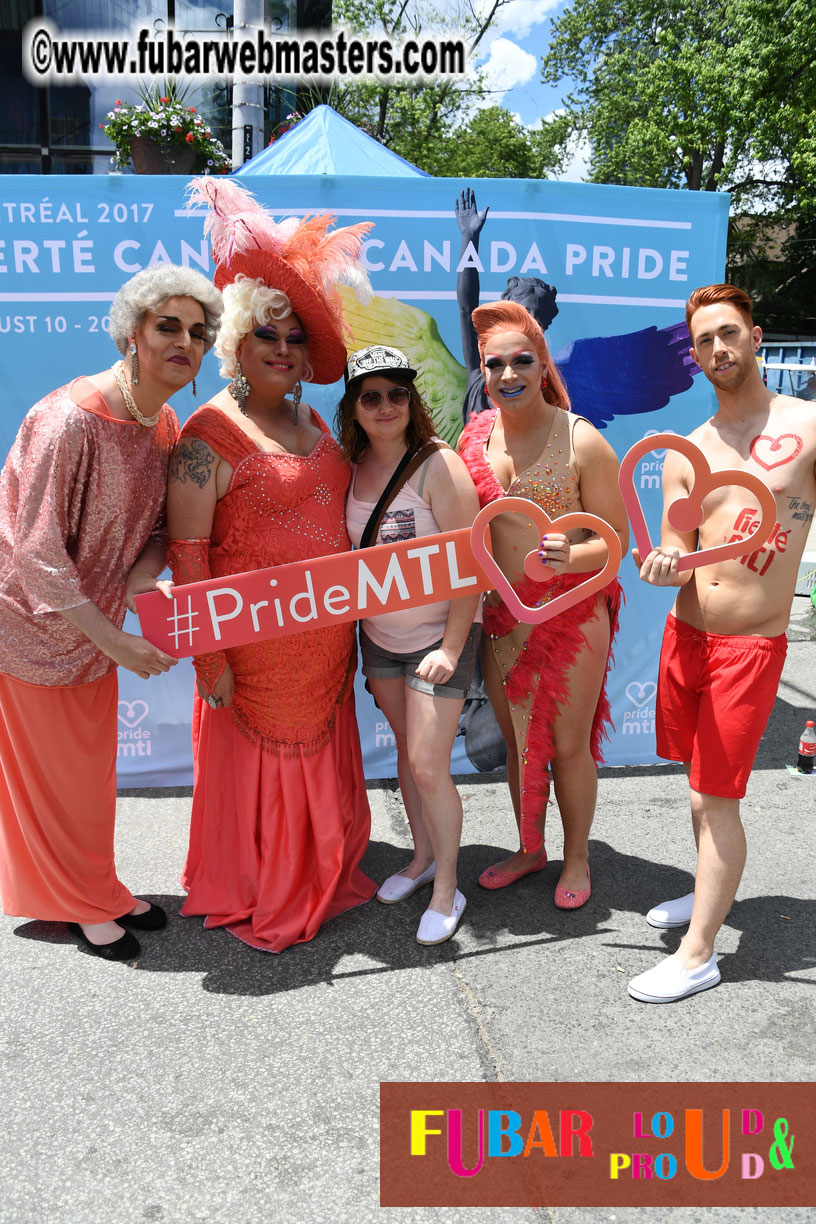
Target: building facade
[58,129]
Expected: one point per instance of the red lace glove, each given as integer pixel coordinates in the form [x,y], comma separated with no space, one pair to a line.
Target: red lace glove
[190,562]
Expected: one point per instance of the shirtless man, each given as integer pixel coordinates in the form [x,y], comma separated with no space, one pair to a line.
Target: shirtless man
[724,644]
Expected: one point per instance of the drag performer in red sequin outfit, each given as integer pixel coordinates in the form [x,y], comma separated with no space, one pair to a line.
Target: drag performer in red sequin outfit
[546,682]
[280,815]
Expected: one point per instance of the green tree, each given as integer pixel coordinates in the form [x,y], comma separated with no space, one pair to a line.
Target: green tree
[443,125]
[492,144]
[696,94]
[706,95]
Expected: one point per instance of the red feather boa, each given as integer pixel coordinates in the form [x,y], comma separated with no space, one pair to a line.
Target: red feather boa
[543,664]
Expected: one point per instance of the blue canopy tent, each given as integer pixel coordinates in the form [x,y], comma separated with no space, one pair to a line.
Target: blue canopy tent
[326,143]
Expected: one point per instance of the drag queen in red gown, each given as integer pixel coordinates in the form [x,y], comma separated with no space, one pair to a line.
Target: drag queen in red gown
[280,816]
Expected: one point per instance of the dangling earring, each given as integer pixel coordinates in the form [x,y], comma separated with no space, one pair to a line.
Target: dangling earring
[543,382]
[297,396]
[134,365]
[239,388]
[195,389]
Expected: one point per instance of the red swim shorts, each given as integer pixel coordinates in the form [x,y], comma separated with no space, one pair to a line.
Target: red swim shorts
[715,694]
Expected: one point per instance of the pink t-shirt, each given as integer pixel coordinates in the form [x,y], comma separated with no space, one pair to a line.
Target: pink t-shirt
[409,517]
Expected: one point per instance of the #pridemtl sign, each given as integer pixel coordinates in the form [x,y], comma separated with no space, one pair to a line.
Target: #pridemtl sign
[304,595]
[286,599]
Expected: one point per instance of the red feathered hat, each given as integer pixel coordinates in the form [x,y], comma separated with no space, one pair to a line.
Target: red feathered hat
[301,257]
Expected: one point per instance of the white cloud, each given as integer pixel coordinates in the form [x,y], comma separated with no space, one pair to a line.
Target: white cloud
[506,67]
[519,16]
[579,153]
[577,168]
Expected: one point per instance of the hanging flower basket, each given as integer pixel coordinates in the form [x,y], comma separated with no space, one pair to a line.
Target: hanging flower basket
[150,157]
[163,136]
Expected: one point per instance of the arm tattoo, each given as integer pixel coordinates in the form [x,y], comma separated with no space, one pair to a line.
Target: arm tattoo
[193,461]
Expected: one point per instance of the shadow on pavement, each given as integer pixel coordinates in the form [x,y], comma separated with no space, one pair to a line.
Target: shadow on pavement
[777,940]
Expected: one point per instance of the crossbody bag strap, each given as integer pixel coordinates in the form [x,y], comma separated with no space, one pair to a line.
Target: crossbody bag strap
[405,469]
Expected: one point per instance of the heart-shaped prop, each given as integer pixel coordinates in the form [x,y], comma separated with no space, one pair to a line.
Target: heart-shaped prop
[686,513]
[534,567]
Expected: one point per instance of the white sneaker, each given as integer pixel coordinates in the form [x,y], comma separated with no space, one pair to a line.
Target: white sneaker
[398,887]
[672,913]
[435,928]
[669,981]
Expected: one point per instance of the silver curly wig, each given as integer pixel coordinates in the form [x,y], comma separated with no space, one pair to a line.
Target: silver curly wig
[150,288]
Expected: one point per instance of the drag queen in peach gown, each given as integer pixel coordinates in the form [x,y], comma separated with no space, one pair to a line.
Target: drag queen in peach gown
[81,533]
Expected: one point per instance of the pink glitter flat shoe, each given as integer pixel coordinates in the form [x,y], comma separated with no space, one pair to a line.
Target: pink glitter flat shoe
[498,877]
[573,900]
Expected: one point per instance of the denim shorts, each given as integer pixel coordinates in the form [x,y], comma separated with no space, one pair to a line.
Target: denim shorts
[379,664]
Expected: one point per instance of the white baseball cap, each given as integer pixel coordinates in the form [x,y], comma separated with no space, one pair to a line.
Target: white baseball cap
[379,359]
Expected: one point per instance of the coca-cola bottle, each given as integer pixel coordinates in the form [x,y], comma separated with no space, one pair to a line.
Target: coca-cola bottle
[807,749]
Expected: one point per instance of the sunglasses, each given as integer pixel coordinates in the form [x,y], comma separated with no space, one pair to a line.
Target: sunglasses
[371,400]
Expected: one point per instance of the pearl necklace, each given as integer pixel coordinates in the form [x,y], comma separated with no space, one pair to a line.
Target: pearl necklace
[133,408]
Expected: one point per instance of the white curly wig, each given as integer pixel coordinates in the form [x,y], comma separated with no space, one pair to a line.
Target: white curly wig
[150,289]
[249,304]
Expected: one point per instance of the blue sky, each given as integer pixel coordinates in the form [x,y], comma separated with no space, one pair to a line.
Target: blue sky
[511,57]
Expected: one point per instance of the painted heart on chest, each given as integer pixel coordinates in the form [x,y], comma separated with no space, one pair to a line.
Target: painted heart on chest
[533,566]
[771,453]
[685,514]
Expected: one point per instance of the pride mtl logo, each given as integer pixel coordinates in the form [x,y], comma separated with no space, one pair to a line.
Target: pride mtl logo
[640,720]
[133,739]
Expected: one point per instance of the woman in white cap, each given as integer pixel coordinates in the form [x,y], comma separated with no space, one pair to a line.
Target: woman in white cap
[280,815]
[418,662]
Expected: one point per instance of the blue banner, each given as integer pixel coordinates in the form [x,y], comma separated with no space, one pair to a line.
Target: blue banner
[622,262]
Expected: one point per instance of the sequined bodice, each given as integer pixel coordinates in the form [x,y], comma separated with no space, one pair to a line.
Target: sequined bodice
[551,482]
[81,494]
[279,507]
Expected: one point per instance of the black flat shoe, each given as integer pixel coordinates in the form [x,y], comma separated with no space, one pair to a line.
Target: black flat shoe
[125,948]
[151,920]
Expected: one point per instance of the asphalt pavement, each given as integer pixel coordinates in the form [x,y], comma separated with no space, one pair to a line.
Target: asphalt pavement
[212,1084]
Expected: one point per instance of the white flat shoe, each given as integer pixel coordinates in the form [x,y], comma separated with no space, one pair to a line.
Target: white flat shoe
[398,887]
[672,913]
[435,928]
[669,981]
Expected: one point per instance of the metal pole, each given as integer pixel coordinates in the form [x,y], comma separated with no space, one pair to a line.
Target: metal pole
[247,99]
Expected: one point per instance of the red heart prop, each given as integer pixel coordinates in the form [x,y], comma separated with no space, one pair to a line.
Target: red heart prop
[534,567]
[774,445]
[686,513]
